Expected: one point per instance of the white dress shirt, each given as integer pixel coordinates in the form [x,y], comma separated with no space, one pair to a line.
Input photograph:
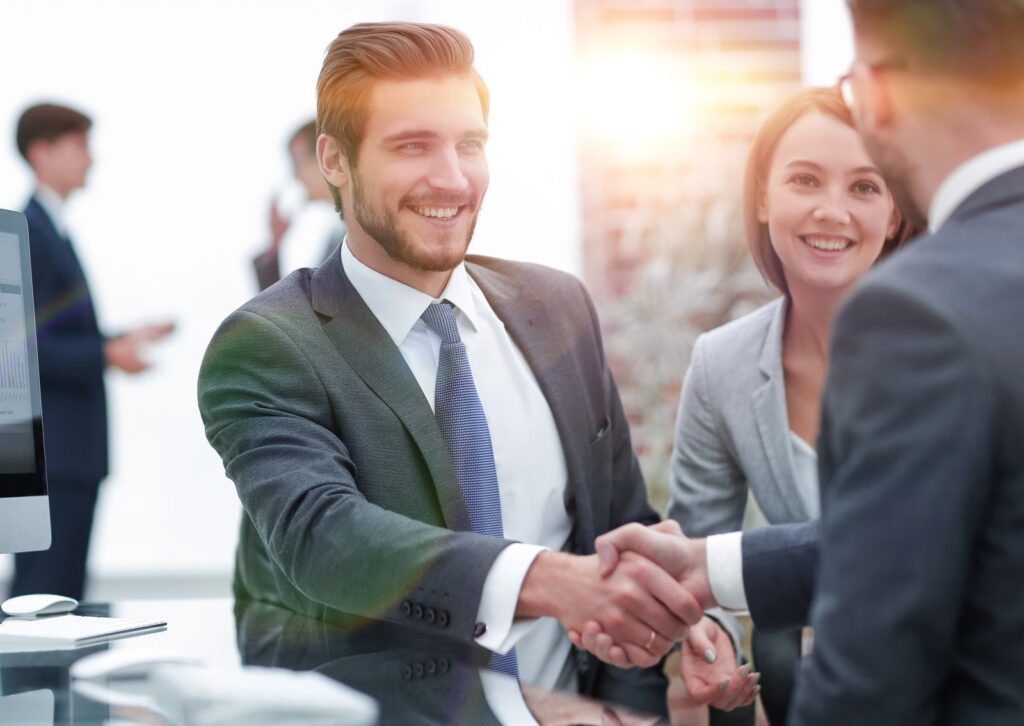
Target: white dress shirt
[528,456]
[725,551]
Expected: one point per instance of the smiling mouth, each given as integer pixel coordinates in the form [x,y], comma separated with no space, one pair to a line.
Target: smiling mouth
[441,213]
[826,243]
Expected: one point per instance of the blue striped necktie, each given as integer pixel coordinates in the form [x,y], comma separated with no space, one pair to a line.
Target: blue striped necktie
[461,419]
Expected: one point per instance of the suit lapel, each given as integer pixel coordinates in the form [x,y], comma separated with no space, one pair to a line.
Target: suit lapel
[769,404]
[543,343]
[371,353]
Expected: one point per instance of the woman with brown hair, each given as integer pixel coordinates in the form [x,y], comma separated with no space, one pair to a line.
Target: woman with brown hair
[818,215]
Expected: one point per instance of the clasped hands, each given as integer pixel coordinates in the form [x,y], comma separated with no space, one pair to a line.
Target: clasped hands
[652,590]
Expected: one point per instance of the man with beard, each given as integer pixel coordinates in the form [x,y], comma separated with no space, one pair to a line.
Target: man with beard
[918,612]
[422,437]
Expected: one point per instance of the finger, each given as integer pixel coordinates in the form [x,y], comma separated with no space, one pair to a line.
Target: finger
[668,526]
[602,646]
[575,638]
[698,641]
[666,550]
[607,549]
[701,692]
[640,657]
[729,695]
[683,606]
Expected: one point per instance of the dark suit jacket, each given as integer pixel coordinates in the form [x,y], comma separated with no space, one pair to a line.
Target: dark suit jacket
[919,610]
[71,358]
[351,499]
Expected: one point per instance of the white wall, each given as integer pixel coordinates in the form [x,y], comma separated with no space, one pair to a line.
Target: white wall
[193,102]
[826,41]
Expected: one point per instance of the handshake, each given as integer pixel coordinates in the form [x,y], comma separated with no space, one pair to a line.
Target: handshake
[644,590]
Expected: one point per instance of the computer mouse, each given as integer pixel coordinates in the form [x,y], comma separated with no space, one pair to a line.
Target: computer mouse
[126,663]
[28,606]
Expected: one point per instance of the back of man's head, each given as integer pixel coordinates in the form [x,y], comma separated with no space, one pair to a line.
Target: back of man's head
[48,122]
[980,41]
[370,52]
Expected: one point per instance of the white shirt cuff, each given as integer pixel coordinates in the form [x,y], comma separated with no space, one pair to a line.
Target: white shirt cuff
[501,595]
[725,570]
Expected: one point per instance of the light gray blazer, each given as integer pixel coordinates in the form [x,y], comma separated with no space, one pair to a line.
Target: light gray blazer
[732,431]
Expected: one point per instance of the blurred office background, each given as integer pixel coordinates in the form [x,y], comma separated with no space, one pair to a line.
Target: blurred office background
[618,129]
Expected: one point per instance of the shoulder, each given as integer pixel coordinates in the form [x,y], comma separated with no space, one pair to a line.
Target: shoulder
[740,341]
[528,276]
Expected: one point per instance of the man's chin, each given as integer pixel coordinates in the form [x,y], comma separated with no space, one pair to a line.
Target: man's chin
[438,257]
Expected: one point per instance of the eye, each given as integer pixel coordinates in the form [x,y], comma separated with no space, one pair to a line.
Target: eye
[412,146]
[866,187]
[803,180]
[472,145]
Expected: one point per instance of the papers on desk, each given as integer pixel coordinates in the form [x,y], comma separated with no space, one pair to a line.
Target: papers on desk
[64,632]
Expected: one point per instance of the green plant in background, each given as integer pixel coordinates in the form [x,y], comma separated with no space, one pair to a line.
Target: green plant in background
[695,274]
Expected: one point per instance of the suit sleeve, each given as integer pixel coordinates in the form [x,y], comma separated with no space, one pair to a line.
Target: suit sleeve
[269,417]
[69,353]
[906,435]
[779,567]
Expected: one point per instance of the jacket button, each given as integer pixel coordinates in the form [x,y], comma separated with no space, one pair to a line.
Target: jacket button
[431,614]
[442,618]
[479,629]
[418,670]
[407,672]
[443,664]
[431,667]
[417,610]
[582,661]
[406,608]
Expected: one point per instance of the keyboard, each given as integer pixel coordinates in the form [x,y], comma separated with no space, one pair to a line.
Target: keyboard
[59,632]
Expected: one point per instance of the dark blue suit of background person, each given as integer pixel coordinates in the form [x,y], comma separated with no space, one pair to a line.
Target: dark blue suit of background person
[53,140]
[71,364]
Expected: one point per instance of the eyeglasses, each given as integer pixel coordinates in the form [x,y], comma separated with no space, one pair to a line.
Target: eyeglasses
[845,82]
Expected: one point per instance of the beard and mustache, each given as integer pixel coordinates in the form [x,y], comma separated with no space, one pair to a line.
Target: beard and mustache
[382,225]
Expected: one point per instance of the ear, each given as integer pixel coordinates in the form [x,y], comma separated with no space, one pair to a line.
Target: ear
[762,209]
[332,161]
[875,108]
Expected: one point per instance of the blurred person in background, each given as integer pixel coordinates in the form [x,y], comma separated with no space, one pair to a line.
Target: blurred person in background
[818,215]
[73,353]
[287,252]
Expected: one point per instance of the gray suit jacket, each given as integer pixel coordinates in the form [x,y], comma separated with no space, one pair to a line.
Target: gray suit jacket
[351,501]
[732,431]
[919,608]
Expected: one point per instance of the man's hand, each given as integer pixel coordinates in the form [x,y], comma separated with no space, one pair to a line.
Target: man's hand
[638,605]
[665,545]
[125,351]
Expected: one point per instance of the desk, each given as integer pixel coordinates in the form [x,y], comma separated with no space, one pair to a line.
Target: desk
[416,679]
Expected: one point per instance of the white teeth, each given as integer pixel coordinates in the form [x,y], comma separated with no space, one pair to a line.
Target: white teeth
[439,212]
[828,244]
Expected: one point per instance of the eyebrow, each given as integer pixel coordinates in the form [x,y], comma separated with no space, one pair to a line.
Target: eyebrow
[859,170]
[480,134]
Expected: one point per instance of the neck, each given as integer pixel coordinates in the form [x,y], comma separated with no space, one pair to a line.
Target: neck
[366,249]
[57,189]
[942,148]
[810,315]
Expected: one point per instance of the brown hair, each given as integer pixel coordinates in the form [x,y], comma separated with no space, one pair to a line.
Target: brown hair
[368,52]
[759,161]
[48,122]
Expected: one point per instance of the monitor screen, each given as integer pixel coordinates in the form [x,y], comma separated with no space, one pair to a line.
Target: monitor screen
[21,455]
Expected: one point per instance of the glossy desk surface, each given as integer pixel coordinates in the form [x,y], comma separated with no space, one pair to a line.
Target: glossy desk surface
[415,680]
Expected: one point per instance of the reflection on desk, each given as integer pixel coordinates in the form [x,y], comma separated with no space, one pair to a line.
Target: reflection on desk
[416,679]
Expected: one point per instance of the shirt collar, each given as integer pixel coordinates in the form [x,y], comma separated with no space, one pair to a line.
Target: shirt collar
[969,177]
[396,305]
[53,205]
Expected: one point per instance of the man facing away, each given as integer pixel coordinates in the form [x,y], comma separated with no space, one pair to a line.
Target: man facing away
[280,256]
[73,353]
[422,437]
[918,613]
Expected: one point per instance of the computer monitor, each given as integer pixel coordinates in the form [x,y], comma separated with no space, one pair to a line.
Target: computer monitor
[24,505]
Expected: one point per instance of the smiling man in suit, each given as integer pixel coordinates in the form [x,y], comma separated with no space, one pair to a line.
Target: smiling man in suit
[423,437]
[73,354]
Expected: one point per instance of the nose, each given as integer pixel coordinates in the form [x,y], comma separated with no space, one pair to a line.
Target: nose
[831,211]
[446,171]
